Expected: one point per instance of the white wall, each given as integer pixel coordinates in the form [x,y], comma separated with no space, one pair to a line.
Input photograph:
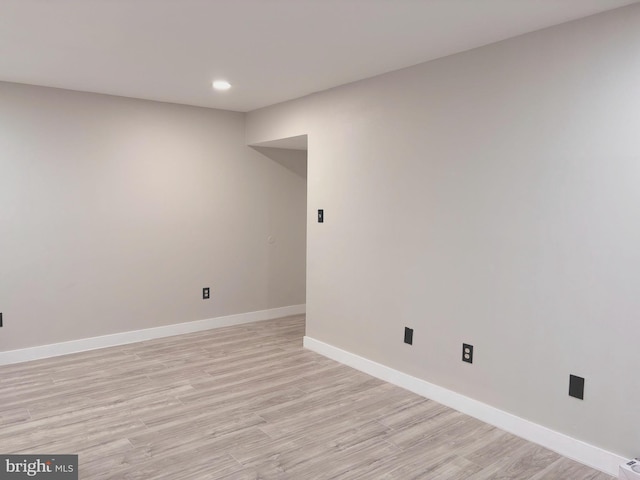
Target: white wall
[491,197]
[115,213]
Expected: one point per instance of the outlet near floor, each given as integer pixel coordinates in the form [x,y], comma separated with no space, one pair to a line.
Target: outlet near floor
[467,353]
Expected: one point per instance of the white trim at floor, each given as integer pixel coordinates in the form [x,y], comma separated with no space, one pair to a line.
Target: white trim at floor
[577,450]
[123,338]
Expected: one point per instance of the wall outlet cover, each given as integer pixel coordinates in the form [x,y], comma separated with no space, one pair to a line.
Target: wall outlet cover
[467,353]
[576,387]
[408,335]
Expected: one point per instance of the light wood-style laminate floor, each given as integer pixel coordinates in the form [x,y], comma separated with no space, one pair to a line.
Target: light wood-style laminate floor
[249,402]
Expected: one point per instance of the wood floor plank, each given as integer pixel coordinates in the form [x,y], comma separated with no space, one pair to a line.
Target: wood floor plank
[248,402]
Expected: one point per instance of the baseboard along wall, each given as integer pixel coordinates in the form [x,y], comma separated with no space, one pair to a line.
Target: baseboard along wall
[560,443]
[123,338]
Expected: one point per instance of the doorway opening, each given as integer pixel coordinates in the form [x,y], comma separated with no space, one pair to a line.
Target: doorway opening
[287,240]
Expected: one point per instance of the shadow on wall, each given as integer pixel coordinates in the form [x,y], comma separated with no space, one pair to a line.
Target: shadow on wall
[294,160]
[291,153]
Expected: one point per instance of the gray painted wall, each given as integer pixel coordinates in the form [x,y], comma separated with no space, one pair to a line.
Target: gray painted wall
[493,198]
[114,213]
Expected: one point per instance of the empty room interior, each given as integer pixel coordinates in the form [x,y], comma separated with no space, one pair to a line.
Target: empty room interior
[319,239]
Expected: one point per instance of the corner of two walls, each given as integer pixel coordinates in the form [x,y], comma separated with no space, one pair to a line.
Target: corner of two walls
[489,198]
[117,212]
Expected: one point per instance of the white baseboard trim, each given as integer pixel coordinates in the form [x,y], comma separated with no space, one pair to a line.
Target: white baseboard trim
[93,343]
[577,450]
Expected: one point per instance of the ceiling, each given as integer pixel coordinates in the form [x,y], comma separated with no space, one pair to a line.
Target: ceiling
[270,50]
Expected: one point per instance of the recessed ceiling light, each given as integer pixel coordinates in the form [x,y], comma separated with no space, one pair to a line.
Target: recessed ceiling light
[221,85]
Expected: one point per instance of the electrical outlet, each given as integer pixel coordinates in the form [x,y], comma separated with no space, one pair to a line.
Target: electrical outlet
[320,216]
[408,335]
[205,293]
[467,353]
[576,387]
